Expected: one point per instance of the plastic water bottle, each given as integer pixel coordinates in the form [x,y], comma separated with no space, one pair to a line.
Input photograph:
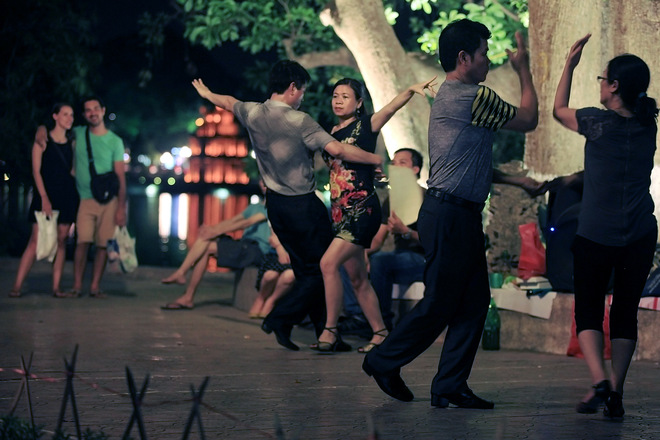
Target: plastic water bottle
[491,336]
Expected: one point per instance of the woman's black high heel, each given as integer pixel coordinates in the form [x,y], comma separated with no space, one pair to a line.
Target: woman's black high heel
[601,395]
[331,347]
[371,345]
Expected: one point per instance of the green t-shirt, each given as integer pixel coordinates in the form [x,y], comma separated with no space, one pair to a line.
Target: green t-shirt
[106,149]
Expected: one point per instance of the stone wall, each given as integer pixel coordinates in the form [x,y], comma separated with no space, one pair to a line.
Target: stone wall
[509,207]
[520,331]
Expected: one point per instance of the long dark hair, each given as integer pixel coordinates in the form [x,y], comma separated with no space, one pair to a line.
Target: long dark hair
[358,89]
[56,109]
[634,77]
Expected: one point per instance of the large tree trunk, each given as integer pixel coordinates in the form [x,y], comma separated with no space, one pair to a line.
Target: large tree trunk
[617,27]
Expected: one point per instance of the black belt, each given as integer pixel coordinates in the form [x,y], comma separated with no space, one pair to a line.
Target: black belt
[454,200]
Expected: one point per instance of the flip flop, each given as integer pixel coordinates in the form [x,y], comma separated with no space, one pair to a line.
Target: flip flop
[59,294]
[15,294]
[176,306]
[97,294]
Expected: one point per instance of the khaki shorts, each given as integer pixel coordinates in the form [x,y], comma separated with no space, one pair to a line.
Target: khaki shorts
[96,222]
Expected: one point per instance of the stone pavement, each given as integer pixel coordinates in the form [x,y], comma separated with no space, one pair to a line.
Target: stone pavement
[254,382]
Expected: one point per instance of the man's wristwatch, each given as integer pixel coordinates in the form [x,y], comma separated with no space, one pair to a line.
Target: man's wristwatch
[407,235]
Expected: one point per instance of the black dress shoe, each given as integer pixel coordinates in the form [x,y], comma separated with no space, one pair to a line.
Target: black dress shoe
[282,335]
[391,384]
[463,399]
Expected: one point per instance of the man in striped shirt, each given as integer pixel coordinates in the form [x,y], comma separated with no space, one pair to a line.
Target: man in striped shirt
[463,118]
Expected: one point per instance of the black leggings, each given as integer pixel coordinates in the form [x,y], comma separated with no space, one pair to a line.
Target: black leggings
[593,267]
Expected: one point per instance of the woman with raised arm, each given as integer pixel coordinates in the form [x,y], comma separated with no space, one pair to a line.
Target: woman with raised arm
[617,231]
[355,209]
[54,189]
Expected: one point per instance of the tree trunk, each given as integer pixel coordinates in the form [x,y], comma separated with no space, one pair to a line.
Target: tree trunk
[617,27]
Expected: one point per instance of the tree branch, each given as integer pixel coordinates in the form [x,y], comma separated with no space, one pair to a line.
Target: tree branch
[338,57]
[511,15]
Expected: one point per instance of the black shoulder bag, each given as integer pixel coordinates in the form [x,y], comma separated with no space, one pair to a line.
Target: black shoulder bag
[104,186]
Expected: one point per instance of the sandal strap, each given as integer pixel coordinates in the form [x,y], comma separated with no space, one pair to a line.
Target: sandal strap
[380,332]
[332,330]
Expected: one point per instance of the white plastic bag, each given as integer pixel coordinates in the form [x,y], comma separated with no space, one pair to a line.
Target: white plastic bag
[47,238]
[127,258]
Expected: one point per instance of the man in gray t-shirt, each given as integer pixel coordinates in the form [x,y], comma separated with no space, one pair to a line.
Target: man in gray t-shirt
[463,117]
[285,149]
[285,140]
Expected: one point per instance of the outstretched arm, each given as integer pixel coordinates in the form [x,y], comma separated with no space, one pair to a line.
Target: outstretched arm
[383,115]
[562,113]
[235,223]
[527,116]
[351,153]
[225,102]
[532,187]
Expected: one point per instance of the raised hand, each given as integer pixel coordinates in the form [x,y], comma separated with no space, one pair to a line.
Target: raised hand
[520,58]
[575,54]
[201,88]
[430,85]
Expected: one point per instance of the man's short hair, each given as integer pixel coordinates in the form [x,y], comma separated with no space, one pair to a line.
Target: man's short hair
[285,72]
[462,35]
[415,156]
[93,98]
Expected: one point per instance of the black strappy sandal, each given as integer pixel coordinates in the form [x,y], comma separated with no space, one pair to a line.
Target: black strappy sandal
[370,346]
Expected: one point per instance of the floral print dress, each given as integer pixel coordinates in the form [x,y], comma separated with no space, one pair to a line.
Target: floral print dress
[355,206]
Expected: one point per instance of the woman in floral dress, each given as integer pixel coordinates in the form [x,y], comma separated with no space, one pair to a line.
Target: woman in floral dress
[355,209]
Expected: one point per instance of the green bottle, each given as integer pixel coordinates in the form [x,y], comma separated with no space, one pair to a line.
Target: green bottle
[491,336]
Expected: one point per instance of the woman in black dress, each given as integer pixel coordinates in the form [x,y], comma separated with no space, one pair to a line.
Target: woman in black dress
[355,208]
[54,189]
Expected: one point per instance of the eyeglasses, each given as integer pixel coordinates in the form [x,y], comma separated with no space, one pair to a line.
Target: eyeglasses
[601,78]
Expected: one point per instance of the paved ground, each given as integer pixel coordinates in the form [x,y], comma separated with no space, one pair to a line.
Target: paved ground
[254,382]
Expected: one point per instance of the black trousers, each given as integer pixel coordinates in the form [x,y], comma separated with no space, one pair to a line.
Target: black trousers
[303,227]
[457,296]
[594,265]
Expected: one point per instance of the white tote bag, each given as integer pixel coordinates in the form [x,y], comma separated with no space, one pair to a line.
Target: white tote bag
[47,238]
[127,257]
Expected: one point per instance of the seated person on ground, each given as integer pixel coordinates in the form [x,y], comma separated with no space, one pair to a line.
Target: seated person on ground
[274,280]
[255,226]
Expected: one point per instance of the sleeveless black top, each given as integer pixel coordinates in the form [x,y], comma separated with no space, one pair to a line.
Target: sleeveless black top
[56,165]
